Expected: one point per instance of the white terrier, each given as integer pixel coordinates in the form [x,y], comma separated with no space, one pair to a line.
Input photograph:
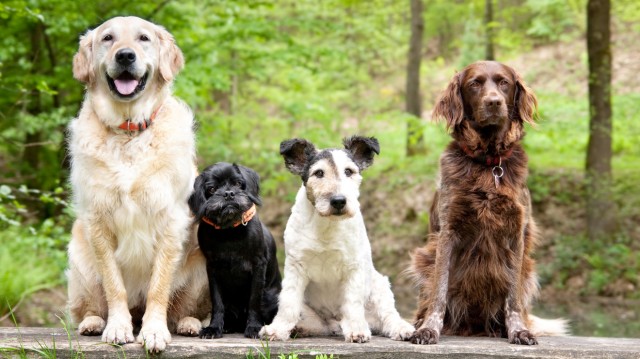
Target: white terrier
[330,285]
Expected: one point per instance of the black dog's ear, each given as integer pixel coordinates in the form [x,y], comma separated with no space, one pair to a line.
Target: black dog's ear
[362,149]
[296,152]
[252,183]
[197,198]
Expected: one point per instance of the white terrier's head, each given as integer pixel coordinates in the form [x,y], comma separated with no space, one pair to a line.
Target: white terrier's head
[331,176]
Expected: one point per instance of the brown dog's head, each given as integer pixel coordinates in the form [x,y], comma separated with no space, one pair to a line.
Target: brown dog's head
[125,55]
[486,93]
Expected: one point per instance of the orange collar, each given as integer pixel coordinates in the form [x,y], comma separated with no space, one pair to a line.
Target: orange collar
[133,126]
[246,217]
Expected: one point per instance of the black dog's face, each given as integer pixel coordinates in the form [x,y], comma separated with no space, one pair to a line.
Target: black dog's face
[223,192]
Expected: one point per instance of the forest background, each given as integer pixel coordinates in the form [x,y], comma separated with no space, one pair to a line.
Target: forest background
[258,72]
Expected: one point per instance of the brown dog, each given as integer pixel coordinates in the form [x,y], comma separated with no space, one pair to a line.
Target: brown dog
[475,274]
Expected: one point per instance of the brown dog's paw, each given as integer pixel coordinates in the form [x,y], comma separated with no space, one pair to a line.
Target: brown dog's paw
[523,337]
[425,336]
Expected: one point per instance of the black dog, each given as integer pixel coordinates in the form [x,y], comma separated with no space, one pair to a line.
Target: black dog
[244,279]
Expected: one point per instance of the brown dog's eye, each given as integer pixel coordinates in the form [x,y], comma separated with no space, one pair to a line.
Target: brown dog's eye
[504,83]
[107,38]
[319,173]
[144,38]
[348,172]
[474,84]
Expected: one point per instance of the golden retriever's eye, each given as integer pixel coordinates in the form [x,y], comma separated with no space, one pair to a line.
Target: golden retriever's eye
[107,37]
[348,172]
[144,38]
[319,173]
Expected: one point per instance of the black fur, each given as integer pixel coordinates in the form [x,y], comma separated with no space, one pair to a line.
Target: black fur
[244,279]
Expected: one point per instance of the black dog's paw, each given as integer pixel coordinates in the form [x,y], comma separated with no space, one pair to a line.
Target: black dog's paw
[425,336]
[252,331]
[211,333]
[523,337]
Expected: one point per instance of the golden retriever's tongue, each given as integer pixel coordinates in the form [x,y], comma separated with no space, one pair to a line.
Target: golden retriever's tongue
[126,86]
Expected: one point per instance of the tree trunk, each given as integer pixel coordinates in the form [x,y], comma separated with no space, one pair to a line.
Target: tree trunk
[600,206]
[415,141]
[488,30]
[31,153]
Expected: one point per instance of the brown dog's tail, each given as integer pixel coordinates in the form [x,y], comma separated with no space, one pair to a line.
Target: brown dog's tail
[549,327]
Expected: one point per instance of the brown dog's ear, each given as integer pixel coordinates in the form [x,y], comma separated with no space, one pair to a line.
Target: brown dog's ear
[449,105]
[296,152]
[362,149]
[83,59]
[526,101]
[171,59]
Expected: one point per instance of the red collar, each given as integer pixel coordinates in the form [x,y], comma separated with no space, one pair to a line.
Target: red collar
[133,126]
[246,217]
[484,158]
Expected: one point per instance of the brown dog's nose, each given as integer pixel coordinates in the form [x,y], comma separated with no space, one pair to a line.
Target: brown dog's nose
[493,101]
[125,57]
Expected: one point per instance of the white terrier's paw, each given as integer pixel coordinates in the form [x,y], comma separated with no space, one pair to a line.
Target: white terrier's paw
[118,332]
[93,325]
[275,332]
[357,337]
[189,326]
[154,336]
[401,330]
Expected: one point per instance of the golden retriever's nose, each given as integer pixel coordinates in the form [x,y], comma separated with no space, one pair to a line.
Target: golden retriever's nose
[125,57]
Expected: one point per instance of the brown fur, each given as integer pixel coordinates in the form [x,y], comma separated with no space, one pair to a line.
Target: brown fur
[475,274]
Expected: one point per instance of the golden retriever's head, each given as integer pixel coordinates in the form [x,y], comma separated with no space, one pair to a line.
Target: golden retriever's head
[126,54]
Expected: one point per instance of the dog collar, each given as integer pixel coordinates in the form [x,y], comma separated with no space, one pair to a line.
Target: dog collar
[133,126]
[246,217]
[486,159]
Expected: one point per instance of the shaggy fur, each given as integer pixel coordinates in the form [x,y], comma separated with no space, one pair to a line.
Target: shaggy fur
[133,257]
[476,275]
[244,279]
[330,285]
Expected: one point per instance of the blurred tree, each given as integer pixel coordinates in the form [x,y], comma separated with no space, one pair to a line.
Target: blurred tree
[488,28]
[600,206]
[415,140]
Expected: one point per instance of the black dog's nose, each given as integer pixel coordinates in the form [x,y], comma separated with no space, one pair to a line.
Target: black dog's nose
[229,194]
[338,201]
[125,56]
[493,101]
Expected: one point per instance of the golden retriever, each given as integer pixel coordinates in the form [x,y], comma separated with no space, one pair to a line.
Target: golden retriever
[133,256]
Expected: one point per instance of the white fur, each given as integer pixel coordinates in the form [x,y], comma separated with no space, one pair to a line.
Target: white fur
[548,327]
[329,276]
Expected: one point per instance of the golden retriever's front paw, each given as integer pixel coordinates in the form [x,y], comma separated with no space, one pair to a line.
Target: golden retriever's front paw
[117,332]
[189,327]
[154,337]
[93,325]
[274,332]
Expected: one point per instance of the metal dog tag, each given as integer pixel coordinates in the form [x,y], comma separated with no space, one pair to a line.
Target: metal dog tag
[497,172]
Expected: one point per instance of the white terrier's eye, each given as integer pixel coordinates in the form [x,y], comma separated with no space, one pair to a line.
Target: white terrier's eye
[319,173]
[144,38]
[348,172]
[107,37]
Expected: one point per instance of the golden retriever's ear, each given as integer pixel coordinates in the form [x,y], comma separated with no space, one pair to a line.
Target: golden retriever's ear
[171,59]
[449,105]
[526,101]
[83,59]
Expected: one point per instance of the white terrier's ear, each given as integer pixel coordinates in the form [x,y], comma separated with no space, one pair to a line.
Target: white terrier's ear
[296,152]
[83,59]
[362,149]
